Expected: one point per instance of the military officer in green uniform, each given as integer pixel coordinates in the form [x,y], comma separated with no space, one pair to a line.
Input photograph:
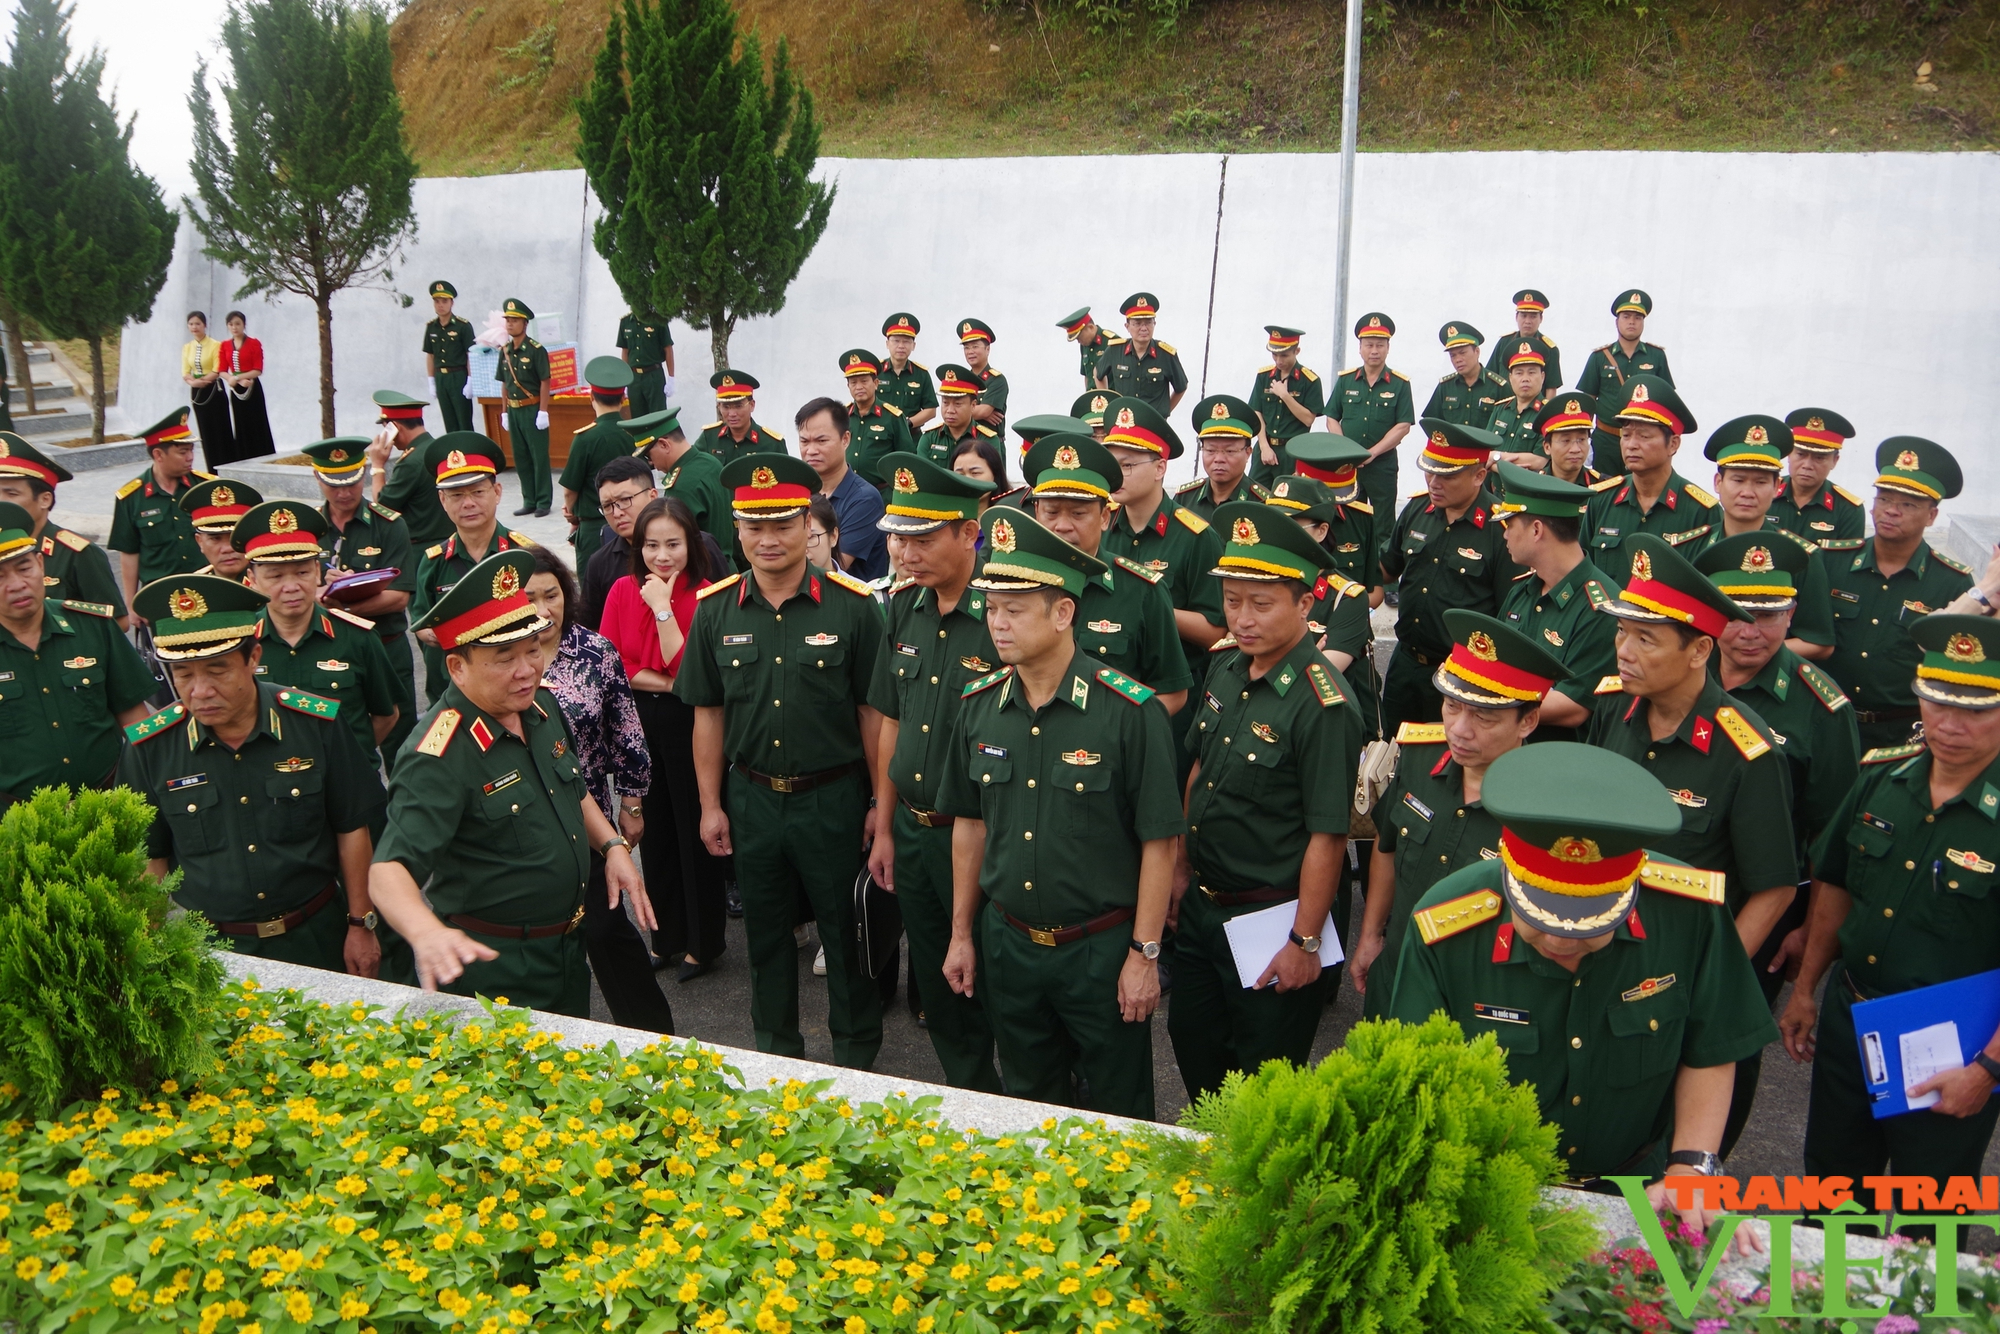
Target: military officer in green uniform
[362,536]
[592,448]
[975,341]
[1276,741]
[1152,531]
[1557,602]
[1888,583]
[777,668]
[1564,428]
[1286,399]
[1513,417]
[151,533]
[1905,871]
[958,400]
[1091,343]
[262,796]
[1335,462]
[646,344]
[1089,409]
[1470,392]
[468,484]
[1068,899]
[448,343]
[906,385]
[409,487]
[876,427]
[689,473]
[1651,496]
[1446,550]
[68,679]
[735,432]
[1227,431]
[1529,308]
[1609,976]
[1339,617]
[1609,369]
[938,645]
[1372,406]
[214,507]
[489,813]
[72,565]
[1748,451]
[524,383]
[1139,366]
[1808,503]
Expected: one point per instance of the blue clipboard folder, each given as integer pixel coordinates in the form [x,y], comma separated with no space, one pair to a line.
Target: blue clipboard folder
[1972,1003]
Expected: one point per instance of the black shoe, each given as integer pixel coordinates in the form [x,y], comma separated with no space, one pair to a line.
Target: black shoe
[525,509]
[690,970]
[1389,598]
[1166,978]
[732,898]
[542,513]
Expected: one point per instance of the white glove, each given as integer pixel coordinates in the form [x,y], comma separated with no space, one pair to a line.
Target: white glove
[666,386]
[433,385]
[541,421]
[467,391]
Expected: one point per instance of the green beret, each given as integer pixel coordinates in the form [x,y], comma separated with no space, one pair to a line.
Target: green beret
[1756,572]
[273,532]
[488,605]
[1538,494]
[924,497]
[1753,441]
[1071,466]
[1917,467]
[1961,662]
[198,615]
[1023,555]
[1264,546]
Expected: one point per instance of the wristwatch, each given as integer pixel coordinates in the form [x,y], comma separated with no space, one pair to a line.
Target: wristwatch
[615,841]
[1988,1064]
[1310,944]
[1978,595]
[1701,1160]
[367,921]
[1149,948]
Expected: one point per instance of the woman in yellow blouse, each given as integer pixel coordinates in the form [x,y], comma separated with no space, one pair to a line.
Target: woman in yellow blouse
[201,369]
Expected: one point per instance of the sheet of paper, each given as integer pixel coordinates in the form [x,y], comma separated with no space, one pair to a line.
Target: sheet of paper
[1927,1052]
[1255,936]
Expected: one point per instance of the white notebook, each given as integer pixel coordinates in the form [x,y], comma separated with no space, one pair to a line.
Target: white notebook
[1255,936]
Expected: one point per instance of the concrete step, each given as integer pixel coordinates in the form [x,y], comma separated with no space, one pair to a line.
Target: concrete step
[82,457]
[73,418]
[38,355]
[46,392]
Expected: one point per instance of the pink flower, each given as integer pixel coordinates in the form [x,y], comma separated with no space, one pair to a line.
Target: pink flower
[1897,1324]
[1711,1326]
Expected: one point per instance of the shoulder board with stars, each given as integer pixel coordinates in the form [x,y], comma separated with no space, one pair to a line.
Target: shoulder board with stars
[1842,544]
[301,701]
[433,552]
[1114,342]
[1742,732]
[1823,686]
[1324,687]
[1167,348]
[1599,599]
[1262,492]
[1150,576]
[1128,689]
[1420,734]
[384,510]
[1195,485]
[907,581]
[130,487]
[104,609]
[1447,377]
[155,723]
[1846,495]
[1613,684]
[1548,342]
[1308,374]
[350,618]
[1607,483]
[441,731]
[1951,562]
[850,583]
[1342,585]
[1686,881]
[1226,642]
[1698,495]
[1194,522]
[74,541]
[983,429]
[1681,539]
[985,682]
[1884,754]
[1811,547]
[1442,921]
[716,587]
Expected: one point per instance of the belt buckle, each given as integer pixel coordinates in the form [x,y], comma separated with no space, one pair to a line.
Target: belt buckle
[576,919]
[1042,935]
[1209,892]
[781,784]
[274,927]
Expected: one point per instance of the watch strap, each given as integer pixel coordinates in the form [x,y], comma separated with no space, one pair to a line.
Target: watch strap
[1701,1160]
[1988,1064]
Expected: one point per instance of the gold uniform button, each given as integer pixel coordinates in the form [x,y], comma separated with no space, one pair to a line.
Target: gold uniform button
[260,896]
[245,801]
[1888,912]
[779,661]
[1576,1101]
[1027,836]
[1653,1024]
[1576,1042]
[1930,819]
[1571,1150]
[1031,782]
[191,807]
[1871,958]
[295,792]
[986,778]
[927,727]
[1251,757]
[1102,650]
[1909,866]
[1034,731]
[940,634]
[1246,694]
[933,680]
[822,662]
[253,847]
[1079,787]
[918,777]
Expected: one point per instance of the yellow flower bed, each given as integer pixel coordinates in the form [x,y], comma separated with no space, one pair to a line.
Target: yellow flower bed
[348,1170]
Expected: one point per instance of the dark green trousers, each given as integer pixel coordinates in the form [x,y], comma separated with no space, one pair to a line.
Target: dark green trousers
[318,942]
[1378,488]
[1408,696]
[589,537]
[648,390]
[436,676]
[1217,1024]
[454,408]
[405,672]
[531,457]
[957,1024]
[1054,1011]
[551,973]
[787,843]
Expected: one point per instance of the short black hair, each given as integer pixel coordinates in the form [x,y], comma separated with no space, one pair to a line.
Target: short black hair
[1051,595]
[611,399]
[625,468]
[832,407]
[1562,527]
[236,315]
[993,458]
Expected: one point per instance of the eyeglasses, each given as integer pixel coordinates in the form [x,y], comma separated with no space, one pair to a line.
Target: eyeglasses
[619,504]
[815,535]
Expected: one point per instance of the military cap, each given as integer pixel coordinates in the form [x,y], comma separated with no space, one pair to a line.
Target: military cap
[1023,555]
[1917,467]
[1665,587]
[769,486]
[859,361]
[1648,398]
[1569,410]
[1304,498]
[1374,325]
[17,536]
[1492,665]
[488,605]
[974,331]
[924,497]
[650,427]
[1279,338]
[397,406]
[1818,430]
[272,532]
[466,457]
[1460,334]
[1033,428]
[1071,466]
[443,288]
[171,429]
[1961,662]
[199,615]
[1525,353]
[1574,824]
[1450,448]
[215,506]
[1265,547]
[1753,441]
[1139,306]
[1632,300]
[903,323]
[1090,405]
[514,308]
[1536,493]
[1223,414]
[1072,323]
[1330,458]
[1136,424]
[957,382]
[733,384]
[1529,299]
[607,375]
[1755,572]
[339,461]
[18,458]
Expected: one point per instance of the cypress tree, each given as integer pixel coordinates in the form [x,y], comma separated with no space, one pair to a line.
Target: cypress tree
[310,193]
[703,168]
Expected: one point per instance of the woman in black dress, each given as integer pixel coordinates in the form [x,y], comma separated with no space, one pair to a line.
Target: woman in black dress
[201,370]
[243,372]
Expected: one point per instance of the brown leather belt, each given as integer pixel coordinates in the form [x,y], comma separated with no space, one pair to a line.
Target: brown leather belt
[803,783]
[277,926]
[1268,894]
[1063,935]
[1886,715]
[929,819]
[524,403]
[1853,987]
[473,924]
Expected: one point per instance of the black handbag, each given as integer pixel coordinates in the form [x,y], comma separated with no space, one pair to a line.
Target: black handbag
[878,924]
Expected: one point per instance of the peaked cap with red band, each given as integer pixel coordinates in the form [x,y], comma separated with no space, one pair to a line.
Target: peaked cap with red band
[1819,430]
[171,429]
[1133,423]
[1665,586]
[489,605]
[1648,398]
[18,458]
[1493,665]
[769,486]
[273,532]
[214,506]
[393,405]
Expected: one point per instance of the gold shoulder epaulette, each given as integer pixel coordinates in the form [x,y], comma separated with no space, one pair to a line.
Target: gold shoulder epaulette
[1613,684]
[155,723]
[1398,374]
[1607,483]
[1167,348]
[74,541]
[1344,586]
[1441,921]
[129,487]
[1823,687]
[384,510]
[1262,492]
[1324,686]
[1361,505]
[1741,731]
[433,552]
[893,408]
[901,584]
[1309,375]
[1879,755]
[716,587]
[1114,342]
[351,618]
[205,476]
[1266,370]
[985,682]
[1548,342]
[1846,495]
[1679,539]
[1812,548]
[982,428]
[1351,370]
[441,731]
[1707,500]
[304,701]
[1194,522]
[1687,881]
[521,539]
[850,583]
[1419,495]
[1150,576]
[1195,485]
[920,366]
[1226,642]
[1126,688]
[104,609]
[1605,348]
[1420,734]
[1447,377]
[1951,562]
[714,425]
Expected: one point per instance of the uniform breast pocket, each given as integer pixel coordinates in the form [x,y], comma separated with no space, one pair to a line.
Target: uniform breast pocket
[14,720]
[1868,841]
[194,816]
[1966,874]
[823,670]
[1696,820]
[500,818]
[297,798]
[1264,765]
[1085,799]
[1106,645]
[738,665]
[987,769]
[1413,822]
[1647,1034]
[1469,561]
[1523,1038]
[1413,542]
[1846,605]
[1604,542]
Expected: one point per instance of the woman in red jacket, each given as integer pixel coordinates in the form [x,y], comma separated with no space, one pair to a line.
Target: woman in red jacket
[243,372]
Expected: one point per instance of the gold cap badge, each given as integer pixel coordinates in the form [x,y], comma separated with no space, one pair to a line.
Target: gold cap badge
[906,481]
[1480,645]
[284,521]
[1437,438]
[1639,395]
[1067,458]
[1244,534]
[1964,648]
[1218,412]
[1757,560]
[1815,423]
[1098,403]
[1908,460]
[1576,850]
[1451,331]
[1642,565]
[763,478]
[1283,489]
[455,459]
[1003,535]
[187,604]
[1125,417]
[1572,406]
[1756,435]
[506,582]
[337,455]
[222,495]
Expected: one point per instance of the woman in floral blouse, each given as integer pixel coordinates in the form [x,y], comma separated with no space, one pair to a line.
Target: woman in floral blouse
[585,676]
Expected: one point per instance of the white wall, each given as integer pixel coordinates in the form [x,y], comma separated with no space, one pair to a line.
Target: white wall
[1860,282]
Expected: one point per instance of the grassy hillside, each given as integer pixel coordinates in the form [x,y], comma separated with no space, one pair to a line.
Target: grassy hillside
[488,84]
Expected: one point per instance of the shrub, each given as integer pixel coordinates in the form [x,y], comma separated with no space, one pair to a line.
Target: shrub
[98,989]
[1395,1186]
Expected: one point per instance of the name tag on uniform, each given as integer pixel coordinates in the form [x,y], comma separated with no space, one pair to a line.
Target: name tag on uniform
[1844,595]
[992,752]
[6,676]
[192,780]
[1609,532]
[1213,702]
[910,649]
[1417,806]
[739,639]
[1499,1014]
[503,782]
[1877,822]
[259,669]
